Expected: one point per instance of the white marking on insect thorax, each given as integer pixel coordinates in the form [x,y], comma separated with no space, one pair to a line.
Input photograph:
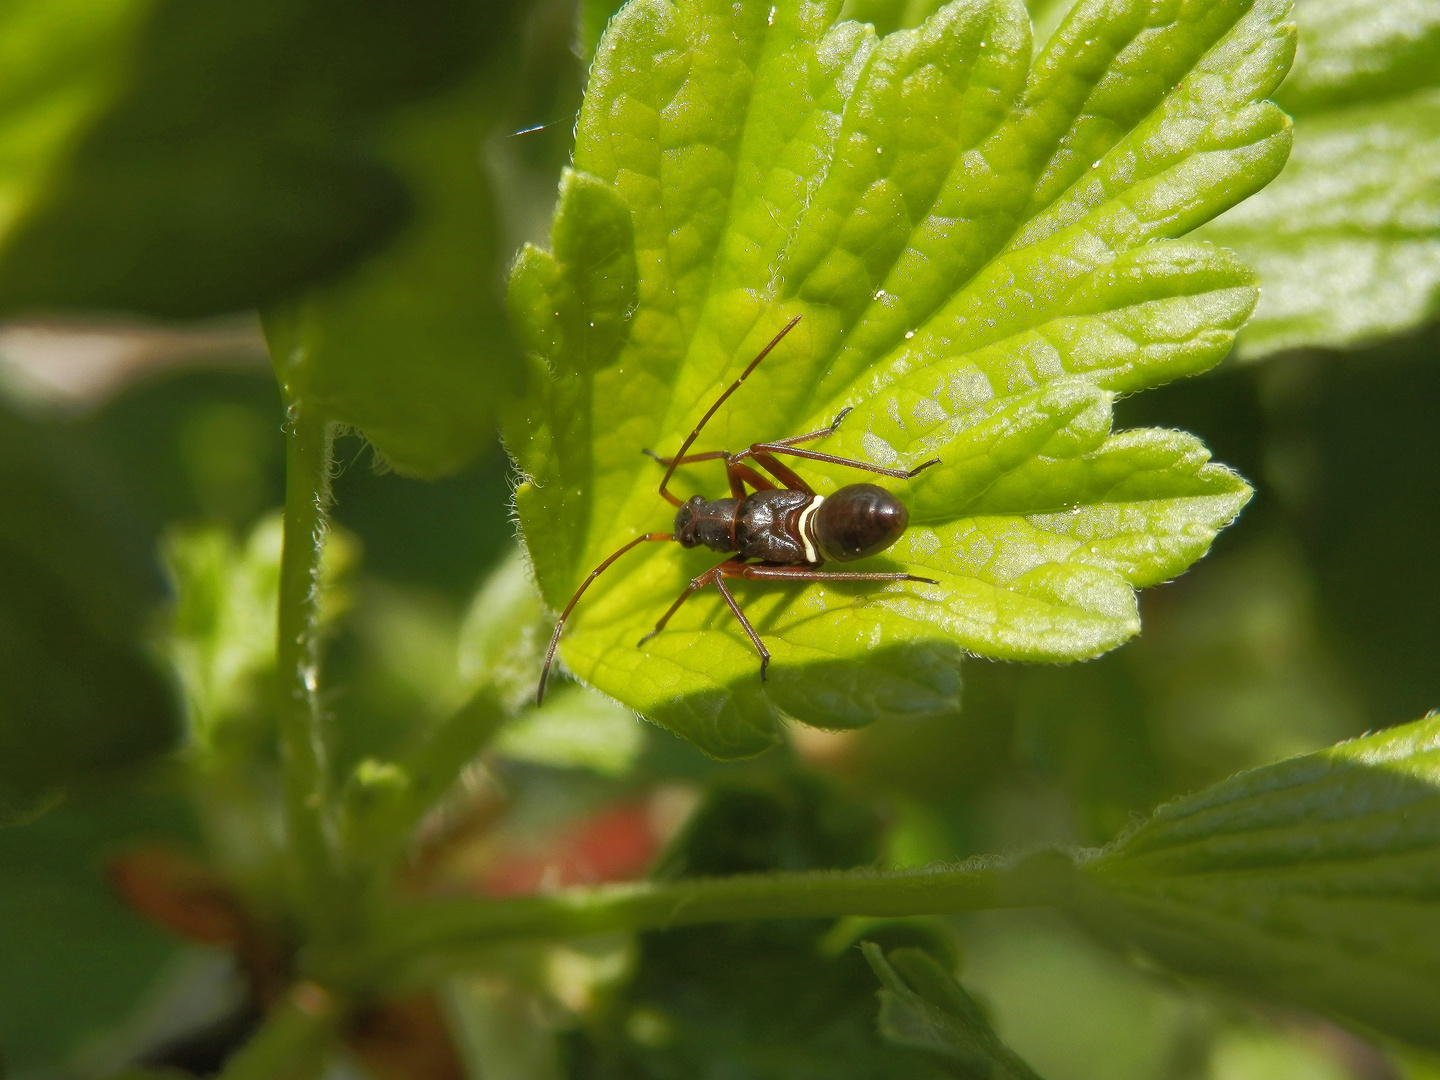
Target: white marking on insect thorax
[803,528]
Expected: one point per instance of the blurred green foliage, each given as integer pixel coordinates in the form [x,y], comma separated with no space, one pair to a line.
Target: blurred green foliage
[763,999]
[222,157]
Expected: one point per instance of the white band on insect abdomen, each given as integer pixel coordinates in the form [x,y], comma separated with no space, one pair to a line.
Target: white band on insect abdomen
[812,554]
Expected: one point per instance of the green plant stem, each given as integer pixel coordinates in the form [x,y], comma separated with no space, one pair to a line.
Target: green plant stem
[427,938]
[295,1041]
[310,832]
[376,831]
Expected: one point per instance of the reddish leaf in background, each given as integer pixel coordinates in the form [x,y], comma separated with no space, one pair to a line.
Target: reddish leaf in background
[616,843]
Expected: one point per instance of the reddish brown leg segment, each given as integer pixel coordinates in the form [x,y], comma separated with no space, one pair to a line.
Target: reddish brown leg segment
[805,573]
[782,472]
[834,426]
[729,568]
[738,568]
[740,475]
[560,625]
[680,457]
[759,450]
[688,459]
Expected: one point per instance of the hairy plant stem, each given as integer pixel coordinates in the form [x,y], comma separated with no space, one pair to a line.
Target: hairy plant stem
[415,942]
[309,828]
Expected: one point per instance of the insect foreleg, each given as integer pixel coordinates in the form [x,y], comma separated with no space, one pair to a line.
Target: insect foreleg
[740,475]
[560,624]
[678,458]
[834,426]
[688,459]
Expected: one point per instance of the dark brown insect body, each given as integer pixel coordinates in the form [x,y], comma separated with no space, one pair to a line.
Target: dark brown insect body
[783,525]
[785,531]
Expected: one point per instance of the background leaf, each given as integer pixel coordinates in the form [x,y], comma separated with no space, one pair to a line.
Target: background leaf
[1313,881]
[202,177]
[73,959]
[983,252]
[1347,240]
[64,62]
[412,347]
[922,1006]
[81,698]
[753,1000]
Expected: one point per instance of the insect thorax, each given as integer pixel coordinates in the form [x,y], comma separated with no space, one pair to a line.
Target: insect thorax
[768,526]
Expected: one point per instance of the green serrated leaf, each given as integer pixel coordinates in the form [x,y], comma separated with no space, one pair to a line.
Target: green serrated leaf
[923,1007]
[1316,881]
[982,250]
[1347,240]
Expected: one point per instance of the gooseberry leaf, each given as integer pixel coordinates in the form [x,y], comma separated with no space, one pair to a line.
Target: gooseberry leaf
[983,251]
[922,1006]
[1347,240]
[1316,881]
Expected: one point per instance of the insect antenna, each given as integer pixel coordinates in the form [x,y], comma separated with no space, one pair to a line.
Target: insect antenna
[559,626]
[675,461]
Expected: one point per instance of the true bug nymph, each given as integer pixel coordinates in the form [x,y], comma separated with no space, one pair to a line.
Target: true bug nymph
[784,532]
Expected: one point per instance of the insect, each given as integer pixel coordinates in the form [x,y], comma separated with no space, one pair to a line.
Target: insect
[784,532]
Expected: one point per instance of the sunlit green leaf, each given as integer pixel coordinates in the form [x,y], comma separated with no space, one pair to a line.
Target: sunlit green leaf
[1347,240]
[1316,880]
[982,251]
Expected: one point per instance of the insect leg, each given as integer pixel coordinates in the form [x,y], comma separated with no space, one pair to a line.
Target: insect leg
[760,449]
[560,625]
[804,573]
[716,576]
[688,459]
[685,594]
[670,471]
[786,475]
[834,426]
[740,475]
[720,576]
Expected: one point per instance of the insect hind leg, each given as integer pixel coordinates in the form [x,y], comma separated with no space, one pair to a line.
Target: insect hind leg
[716,576]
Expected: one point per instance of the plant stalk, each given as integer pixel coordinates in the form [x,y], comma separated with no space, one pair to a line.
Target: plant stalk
[310,831]
[295,1042]
[428,938]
